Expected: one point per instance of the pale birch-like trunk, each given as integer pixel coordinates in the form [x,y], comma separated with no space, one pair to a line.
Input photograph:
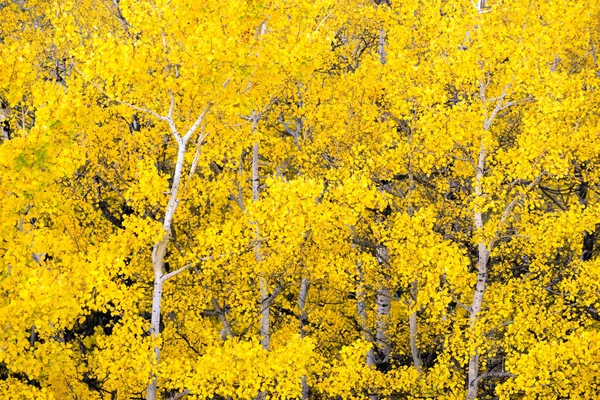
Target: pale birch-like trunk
[363,320]
[381,49]
[414,290]
[304,285]
[361,296]
[382,301]
[384,349]
[483,249]
[413,328]
[265,331]
[158,255]
[382,295]
[3,131]
[482,270]
[265,299]
[480,6]
[482,262]
[160,248]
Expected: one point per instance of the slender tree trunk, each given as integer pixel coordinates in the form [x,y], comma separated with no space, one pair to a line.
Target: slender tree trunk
[414,289]
[4,129]
[303,322]
[361,296]
[158,256]
[154,331]
[582,194]
[381,50]
[483,249]
[265,299]
[265,325]
[412,322]
[160,249]
[382,301]
[482,262]
[363,320]
[382,297]
[384,348]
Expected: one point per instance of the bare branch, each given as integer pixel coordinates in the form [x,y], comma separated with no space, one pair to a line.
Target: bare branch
[180,395]
[221,313]
[494,375]
[268,301]
[322,21]
[201,138]
[290,132]
[197,123]
[488,122]
[141,109]
[171,105]
[171,274]
[511,206]
[512,103]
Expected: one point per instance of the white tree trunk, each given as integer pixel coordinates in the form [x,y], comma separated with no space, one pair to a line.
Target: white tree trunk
[265,299]
[158,255]
[265,331]
[363,320]
[382,301]
[412,322]
[361,296]
[383,314]
[381,49]
[303,322]
[160,248]
[154,331]
[482,262]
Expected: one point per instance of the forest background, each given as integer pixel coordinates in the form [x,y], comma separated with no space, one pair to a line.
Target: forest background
[329,199]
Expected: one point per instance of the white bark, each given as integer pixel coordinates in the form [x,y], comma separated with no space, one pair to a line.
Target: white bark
[381,50]
[221,313]
[382,297]
[201,138]
[483,257]
[480,5]
[383,313]
[484,250]
[3,132]
[265,323]
[303,322]
[154,331]
[482,261]
[413,327]
[382,300]
[265,331]
[265,300]
[160,248]
[361,296]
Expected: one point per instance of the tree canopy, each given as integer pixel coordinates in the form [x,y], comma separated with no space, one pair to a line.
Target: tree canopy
[275,199]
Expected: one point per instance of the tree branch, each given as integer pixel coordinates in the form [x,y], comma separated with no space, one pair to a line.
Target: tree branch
[178,396]
[494,375]
[141,109]
[221,313]
[197,123]
[511,206]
